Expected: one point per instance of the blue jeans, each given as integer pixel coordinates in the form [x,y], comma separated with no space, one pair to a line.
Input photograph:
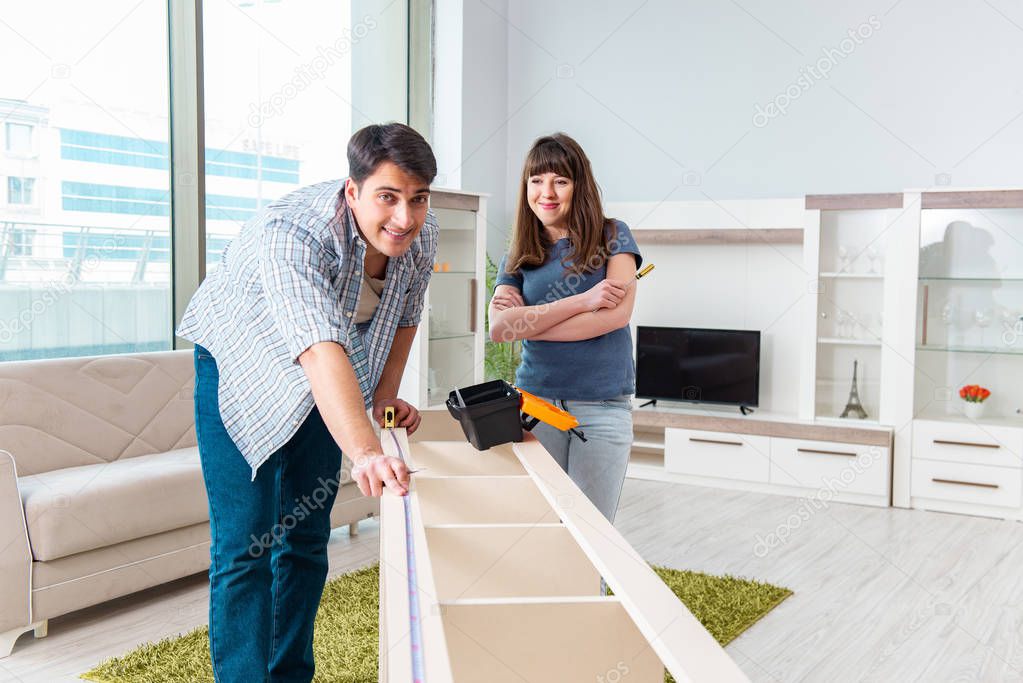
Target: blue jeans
[597,466]
[268,551]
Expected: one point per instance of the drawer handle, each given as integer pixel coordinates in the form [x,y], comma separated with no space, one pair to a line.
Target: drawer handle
[964,483]
[812,450]
[967,443]
[725,443]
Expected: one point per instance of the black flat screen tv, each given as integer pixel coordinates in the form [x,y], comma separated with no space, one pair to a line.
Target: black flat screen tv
[698,365]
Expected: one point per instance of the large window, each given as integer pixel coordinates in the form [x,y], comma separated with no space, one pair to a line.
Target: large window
[85,164]
[84,262]
[286,84]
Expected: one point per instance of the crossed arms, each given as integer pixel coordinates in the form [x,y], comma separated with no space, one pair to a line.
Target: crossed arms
[601,309]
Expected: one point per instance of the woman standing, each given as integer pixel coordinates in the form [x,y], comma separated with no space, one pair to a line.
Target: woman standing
[567,288]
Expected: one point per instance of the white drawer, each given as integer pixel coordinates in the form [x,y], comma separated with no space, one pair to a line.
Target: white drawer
[717,454]
[966,442]
[964,483]
[841,467]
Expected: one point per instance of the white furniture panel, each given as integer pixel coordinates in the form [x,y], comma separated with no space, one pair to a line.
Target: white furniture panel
[716,454]
[936,483]
[505,573]
[843,467]
[448,348]
[968,443]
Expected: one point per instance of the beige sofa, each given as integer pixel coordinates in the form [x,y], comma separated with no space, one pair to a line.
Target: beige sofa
[101,491]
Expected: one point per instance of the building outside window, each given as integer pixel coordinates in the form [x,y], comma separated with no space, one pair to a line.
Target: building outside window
[21,191]
[18,138]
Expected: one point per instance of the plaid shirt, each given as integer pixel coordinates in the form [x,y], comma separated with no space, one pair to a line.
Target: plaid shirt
[289,280]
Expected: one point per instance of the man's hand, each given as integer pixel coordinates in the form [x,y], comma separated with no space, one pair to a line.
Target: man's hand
[404,415]
[373,473]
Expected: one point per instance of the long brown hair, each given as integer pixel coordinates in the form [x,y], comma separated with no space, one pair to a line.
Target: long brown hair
[560,154]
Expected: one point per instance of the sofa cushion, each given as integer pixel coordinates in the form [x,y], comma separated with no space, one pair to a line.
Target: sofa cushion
[75,509]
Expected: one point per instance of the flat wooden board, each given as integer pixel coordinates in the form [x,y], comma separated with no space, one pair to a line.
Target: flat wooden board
[840,202]
[685,647]
[550,642]
[978,199]
[719,236]
[852,433]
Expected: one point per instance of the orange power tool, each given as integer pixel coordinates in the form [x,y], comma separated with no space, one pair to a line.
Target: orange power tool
[540,410]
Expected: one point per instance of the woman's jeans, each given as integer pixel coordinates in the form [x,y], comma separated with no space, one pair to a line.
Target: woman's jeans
[597,466]
[268,551]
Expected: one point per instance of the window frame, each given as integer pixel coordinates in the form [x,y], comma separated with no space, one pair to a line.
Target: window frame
[26,154]
[31,191]
[187,134]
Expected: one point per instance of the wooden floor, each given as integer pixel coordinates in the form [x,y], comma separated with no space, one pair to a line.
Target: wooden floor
[880,594]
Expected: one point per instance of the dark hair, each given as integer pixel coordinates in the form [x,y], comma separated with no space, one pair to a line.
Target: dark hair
[394,142]
[589,230]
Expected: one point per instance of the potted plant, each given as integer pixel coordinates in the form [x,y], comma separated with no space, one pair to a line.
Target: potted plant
[974,395]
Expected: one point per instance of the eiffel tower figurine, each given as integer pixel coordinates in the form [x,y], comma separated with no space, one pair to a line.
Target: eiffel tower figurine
[854,405]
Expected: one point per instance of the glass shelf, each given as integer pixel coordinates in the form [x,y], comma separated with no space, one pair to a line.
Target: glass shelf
[854,276]
[1004,350]
[454,272]
[451,335]
[972,279]
[849,342]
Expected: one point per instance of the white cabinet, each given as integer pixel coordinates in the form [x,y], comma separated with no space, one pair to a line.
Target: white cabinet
[829,465]
[968,328]
[971,489]
[716,454]
[774,462]
[965,467]
[448,349]
[857,247]
[968,443]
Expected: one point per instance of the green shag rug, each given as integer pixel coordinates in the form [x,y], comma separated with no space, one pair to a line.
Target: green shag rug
[346,636]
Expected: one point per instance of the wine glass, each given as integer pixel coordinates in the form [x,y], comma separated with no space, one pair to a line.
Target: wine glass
[873,254]
[949,314]
[857,322]
[843,258]
[1007,316]
[844,323]
[983,318]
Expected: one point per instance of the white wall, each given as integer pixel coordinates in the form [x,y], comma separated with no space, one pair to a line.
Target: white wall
[662,94]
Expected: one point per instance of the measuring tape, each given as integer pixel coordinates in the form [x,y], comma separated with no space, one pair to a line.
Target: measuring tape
[414,614]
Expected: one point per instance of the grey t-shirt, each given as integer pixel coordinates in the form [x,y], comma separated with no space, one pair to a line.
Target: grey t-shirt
[586,370]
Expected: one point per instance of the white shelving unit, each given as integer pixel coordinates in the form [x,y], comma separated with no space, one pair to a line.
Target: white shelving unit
[448,348]
[856,245]
[942,309]
[969,330]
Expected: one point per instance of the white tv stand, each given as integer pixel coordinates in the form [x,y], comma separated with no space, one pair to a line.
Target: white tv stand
[765,452]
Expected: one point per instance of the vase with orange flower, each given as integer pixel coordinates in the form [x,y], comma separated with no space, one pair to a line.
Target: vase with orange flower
[974,395]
